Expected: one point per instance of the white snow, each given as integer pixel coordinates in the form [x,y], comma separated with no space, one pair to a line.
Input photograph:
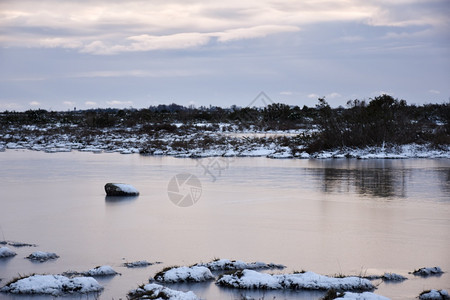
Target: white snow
[226,264]
[435,295]
[361,296]
[159,292]
[181,274]
[42,256]
[393,277]
[428,271]
[55,285]
[6,252]
[137,264]
[248,279]
[127,188]
[101,271]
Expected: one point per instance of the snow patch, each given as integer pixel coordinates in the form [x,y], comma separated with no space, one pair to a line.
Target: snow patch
[226,264]
[55,285]
[428,271]
[6,252]
[42,256]
[434,295]
[101,271]
[249,279]
[138,264]
[183,274]
[159,292]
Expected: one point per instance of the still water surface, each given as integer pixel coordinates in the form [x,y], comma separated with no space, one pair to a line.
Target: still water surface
[328,216]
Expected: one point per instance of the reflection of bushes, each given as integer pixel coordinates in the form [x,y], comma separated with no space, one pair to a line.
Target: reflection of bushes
[379,182]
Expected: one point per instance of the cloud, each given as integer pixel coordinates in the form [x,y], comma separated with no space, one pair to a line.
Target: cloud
[119,103]
[436,92]
[167,72]
[313,96]
[252,32]
[69,103]
[333,95]
[286,93]
[34,103]
[90,103]
[113,27]
[10,106]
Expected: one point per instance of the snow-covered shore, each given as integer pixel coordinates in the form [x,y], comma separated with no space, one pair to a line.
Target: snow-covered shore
[249,279]
[196,143]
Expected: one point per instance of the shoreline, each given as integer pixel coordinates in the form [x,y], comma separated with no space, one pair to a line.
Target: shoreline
[410,151]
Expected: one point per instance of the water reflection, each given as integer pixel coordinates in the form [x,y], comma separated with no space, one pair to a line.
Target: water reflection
[119,199]
[444,178]
[379,181]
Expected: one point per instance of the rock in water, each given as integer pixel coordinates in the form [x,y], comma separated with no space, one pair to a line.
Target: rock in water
[120,189]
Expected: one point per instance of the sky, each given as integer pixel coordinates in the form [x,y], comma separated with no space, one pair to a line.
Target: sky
[58,55]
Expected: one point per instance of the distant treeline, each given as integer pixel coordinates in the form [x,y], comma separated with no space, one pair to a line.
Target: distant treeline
[381,120]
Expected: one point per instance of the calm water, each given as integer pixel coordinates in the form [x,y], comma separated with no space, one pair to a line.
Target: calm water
[327,216]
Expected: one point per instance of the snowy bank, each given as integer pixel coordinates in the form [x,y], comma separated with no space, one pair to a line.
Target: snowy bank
[120,189]
[97,271]
[139,264]
[428,271]
[249,279]
[101,271]
[159,292]
[434,295]
[183,274]
[226,264]
[360,296]
[387,277]
[55,285]
[42,256]
[6,252]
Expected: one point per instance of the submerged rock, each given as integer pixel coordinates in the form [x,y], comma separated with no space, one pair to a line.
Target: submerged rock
[120,189]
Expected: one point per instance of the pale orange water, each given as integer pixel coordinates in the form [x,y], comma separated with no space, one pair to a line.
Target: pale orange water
[327,216]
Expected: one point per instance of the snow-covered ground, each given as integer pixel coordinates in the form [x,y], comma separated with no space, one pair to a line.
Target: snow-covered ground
[428,271]
[42,256]
[183,274]
[226,264]
[101,271]
[6,252]
[435,295]
[387,277]
[159,292]
[196,143]
[95,272]
[55,285]
[249,279]
[139,264]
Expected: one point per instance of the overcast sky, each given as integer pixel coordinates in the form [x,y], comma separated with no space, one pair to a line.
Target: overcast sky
[103,53]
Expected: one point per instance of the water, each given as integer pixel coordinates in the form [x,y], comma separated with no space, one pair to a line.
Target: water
[344,216]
